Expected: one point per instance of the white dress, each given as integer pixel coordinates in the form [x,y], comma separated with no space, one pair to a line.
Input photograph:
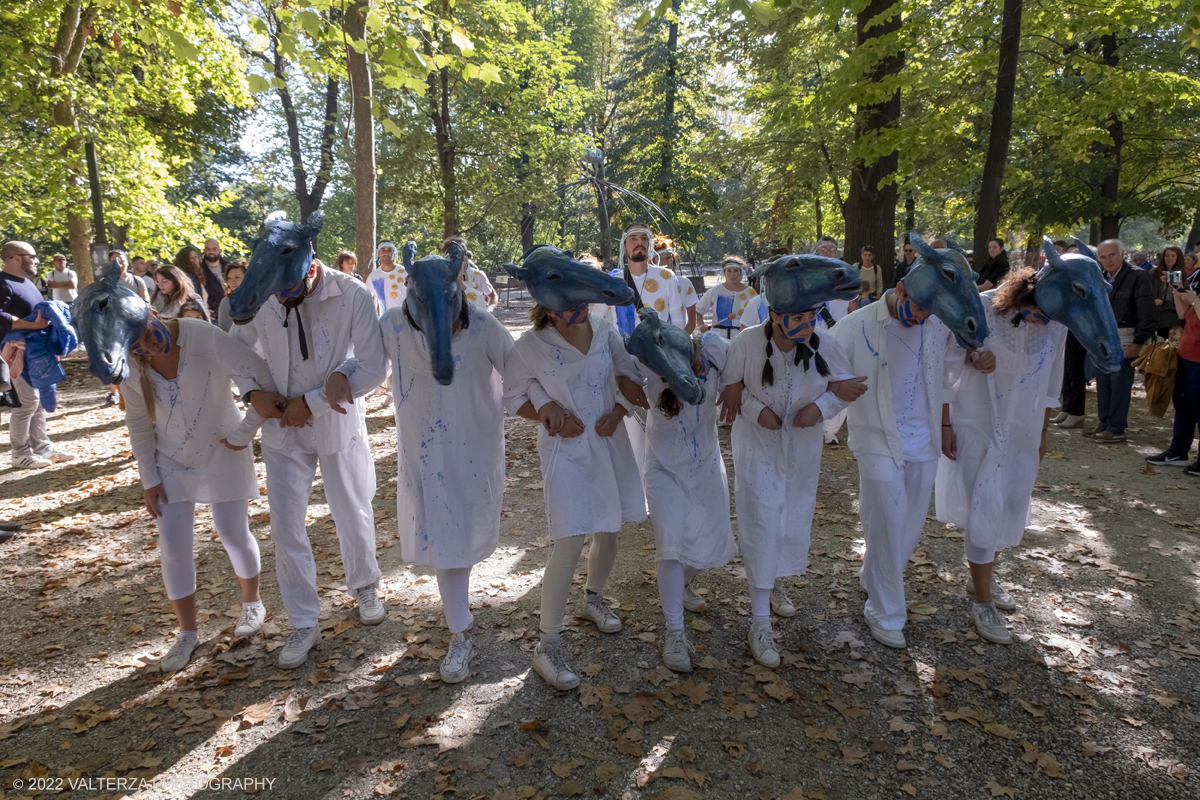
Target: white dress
[776,472]
[997,422]
[388,286]
[686,488]
[590,482]
[450,476]
[181,448]
[725,305]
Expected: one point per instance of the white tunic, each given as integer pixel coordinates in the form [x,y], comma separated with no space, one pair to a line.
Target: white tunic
[450,477]
[776,472]
[725,305]
[478,287]
[388,286]
[687,491]
[181,448]
[591,482]
[998,420]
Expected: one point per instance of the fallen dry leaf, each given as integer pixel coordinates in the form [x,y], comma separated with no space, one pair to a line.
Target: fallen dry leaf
[997,790]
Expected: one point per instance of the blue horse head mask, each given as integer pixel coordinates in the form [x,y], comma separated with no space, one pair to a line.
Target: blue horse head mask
[667,350]
[558,282]
[109,317]
[794,284]
[434,301]
[1071,289]
[280,261]
[942,281]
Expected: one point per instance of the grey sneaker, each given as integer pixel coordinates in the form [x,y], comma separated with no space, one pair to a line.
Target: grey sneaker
[990,624]
[548,661]
[1059,418]
[180,654]
[692,601]
[295,652]
[762,644]
[678,651]
[1003,600]
[250,621]
[601,614]
[370,610]
[781,604]
[59,456]
[456,666]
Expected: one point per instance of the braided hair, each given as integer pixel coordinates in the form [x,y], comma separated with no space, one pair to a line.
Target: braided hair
[804,353]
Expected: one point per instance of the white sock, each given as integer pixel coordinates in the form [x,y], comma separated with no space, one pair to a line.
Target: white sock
[252,604]
[189,635]
[760,604]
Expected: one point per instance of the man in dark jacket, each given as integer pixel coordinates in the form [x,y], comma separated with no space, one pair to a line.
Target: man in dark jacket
[1133,305]
[214,275]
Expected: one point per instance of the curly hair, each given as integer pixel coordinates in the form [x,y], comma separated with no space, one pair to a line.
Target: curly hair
[1015,291]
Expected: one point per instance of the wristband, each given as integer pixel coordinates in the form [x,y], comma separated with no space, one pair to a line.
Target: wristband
[304,400]
[946,425]
[246,396]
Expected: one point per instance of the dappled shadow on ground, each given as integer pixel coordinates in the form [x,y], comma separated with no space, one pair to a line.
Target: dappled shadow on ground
[1096,697]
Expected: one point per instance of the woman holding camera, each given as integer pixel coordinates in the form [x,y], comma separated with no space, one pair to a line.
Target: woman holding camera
[1187,385]
[1170,261]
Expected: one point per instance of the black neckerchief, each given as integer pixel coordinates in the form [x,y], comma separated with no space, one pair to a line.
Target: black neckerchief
[295,306]
[637,296]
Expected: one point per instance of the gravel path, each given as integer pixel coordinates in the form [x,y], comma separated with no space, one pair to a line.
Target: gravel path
[1096,699]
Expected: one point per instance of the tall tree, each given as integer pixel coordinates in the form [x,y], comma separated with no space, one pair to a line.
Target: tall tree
[987,212]
[359,70]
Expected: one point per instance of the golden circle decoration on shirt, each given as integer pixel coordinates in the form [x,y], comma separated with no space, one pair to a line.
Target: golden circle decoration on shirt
[650,285]
[394,294]
[660,305]
[666,274]
[742,296]
[471,296]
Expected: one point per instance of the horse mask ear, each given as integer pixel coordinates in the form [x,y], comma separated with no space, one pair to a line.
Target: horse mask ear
[953,244]
[410,254]
[1085,249]
[520,273]
[1053,257]
[921,246]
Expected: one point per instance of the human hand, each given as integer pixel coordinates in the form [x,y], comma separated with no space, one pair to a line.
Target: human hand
[232,446]
[153,496]
[633,393]
[572,427]
[1133,350]
[850,389]
[552,417]
[807,417]
[607,424]
[730,401]
[268,405]
[982,360]
[769,420]
[949,443]
[337,392]
[26,325]
[295,414]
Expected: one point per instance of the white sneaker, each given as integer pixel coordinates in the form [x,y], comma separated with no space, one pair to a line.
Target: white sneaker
[990,624]
[58,456]
[370,610]
[30,461]
[678,651]
[456,666]
[295,652]
[250,621]
[1060,417]
[692,601]
[548,661]
[781,604]
[887,637]
[180,654]
[1002,599]
[601,614]
[1072,421]
[831,438]
[762,644]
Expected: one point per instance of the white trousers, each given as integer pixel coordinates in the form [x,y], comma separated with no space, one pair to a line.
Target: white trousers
[176,529]
[454,585]
[834,424]
[560,572]
[892,503]
[27,424]
[349,478]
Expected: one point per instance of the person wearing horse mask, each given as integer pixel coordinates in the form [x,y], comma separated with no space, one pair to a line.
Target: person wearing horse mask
[895,433]
[188,438]
[317,329]
[783,379]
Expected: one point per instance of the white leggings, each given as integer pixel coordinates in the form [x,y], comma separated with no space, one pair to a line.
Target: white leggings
[560,571]
[673,576]
[176,534]
[454,586]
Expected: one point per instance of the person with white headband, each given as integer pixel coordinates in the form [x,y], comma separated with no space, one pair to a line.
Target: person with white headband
[727,301]
[653,287]
[388,282]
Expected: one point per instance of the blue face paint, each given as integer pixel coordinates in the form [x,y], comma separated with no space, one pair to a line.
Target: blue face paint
[904,310]
[158,330]
[796,328]
[1033,315]
[574,315]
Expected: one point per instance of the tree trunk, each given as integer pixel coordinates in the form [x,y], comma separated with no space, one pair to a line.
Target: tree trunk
[910,213]
[672,90]
[1110,189]
[1033,247]
[987,213]
[68,49]
[359,70]
[439,115]
[820,216]
[870,209]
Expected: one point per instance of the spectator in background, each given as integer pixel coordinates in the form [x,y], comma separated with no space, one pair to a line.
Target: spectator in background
[1140,261]
[214,276]
[870,274]
[1133,305]
[1191,276]
[187,261]
[233,279]
[150,268]
[31,448]
[1171,260]
[171,291]
[908,256]
[347,262]
[62,281]
[993,270]
[1061,246]
[1187,385]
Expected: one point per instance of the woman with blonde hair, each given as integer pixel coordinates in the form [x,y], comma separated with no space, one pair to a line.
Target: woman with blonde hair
[172,290]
